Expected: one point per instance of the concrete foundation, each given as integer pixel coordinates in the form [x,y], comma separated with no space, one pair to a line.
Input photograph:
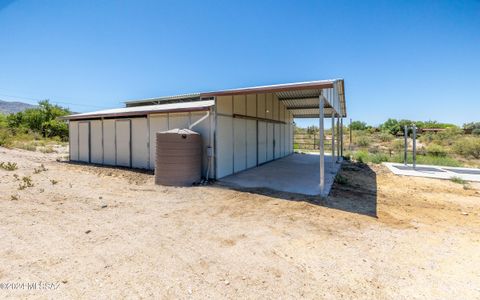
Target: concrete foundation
[438,172]
[297,173]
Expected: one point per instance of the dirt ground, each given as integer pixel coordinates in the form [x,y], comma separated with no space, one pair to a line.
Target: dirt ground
[98,232]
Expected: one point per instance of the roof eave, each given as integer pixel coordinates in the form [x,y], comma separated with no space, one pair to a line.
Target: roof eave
[134,114]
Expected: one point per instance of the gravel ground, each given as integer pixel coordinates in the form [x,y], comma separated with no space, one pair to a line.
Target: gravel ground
[98,232]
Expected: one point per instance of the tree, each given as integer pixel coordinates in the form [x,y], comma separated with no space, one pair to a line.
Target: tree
[358,125]
[391,125]
[42,119]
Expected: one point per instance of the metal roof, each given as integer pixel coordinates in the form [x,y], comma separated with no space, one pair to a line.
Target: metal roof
[300,98]
[294,95]
[158,100]
[144,110]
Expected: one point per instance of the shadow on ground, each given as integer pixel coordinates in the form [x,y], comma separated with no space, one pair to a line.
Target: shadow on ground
[106,167]
[354,191]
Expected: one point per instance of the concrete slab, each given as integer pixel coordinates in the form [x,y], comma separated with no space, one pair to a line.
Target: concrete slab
[439,172]
[297,173]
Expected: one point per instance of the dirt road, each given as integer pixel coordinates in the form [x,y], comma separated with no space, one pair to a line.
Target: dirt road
[100,232]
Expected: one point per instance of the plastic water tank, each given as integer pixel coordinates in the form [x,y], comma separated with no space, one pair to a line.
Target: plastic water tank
[178,158]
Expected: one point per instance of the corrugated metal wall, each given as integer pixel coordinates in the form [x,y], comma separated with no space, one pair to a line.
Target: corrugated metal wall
[243,143]
[130,142]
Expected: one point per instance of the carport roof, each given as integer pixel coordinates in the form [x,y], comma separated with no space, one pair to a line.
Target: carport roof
[144,110]
[300,98]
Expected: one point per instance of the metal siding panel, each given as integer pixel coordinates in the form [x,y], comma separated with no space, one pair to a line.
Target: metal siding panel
[224,146]
[239,105]
[84,141]
[204,129]
[270,139]
[158,123]
[262,142]
[278,140]
[290,140]
[224,105]
[109,142]
[276,107]
[140,151]
[251,143]
[261,105]
[73,139]
[269,106]
[239,145]
[180,120]
[252,105]
[122,143]
[96,147]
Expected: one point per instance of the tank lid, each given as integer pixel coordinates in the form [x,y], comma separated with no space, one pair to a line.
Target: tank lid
[179,131]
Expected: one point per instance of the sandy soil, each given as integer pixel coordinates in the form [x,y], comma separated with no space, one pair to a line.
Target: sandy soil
[100,232]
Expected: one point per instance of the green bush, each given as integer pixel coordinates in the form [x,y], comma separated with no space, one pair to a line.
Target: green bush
[476,131]
[361,156]
[385,137]
[41,120]
[358,125]
[436,150]
[398,145]
[458,180]
[378,158]
[339,179]
[468,147]
[363,141]
[55,128]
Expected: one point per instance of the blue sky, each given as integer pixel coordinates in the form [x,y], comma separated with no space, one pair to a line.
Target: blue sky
[401,59]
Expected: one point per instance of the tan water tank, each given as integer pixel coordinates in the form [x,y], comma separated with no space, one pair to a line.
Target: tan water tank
[178,157]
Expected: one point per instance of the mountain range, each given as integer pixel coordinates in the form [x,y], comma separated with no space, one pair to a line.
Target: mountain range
[8,107]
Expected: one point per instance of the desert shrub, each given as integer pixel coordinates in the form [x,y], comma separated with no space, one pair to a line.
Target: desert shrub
[385,137]
[437,161]
[361,156]
[476,131]
[457,180]
[363,141]
[5,138]
[3,121]
[472,125]
[378,158]
[468,147]
[398,145]
[29,146]
[341,179]
[47,149]
[8,166]
[436,150]
[449,136]
[26,182]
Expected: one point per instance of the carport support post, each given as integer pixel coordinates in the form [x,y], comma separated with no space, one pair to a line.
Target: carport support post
[320,143]
[333,141]
[341,137]
[338,138]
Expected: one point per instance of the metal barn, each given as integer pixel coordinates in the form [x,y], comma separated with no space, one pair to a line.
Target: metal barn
[240,128]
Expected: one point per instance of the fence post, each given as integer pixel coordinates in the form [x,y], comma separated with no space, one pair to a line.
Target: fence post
[350,130]
[405,137]
[414,128]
